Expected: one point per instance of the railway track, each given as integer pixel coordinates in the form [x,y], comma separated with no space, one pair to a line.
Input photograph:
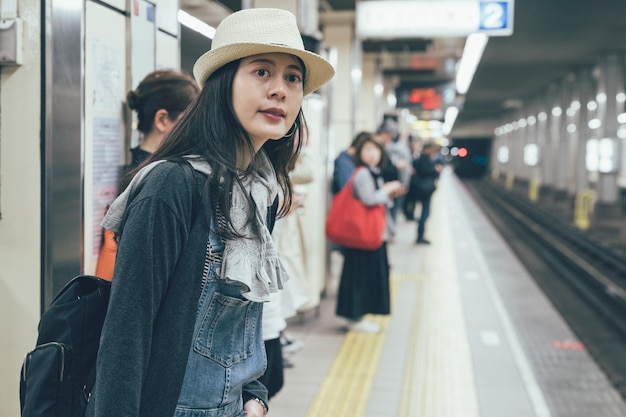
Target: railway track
[585,280]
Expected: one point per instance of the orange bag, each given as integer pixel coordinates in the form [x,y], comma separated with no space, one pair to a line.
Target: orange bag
[106,258]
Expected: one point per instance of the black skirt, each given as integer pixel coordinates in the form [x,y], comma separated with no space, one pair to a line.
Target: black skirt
[364,285]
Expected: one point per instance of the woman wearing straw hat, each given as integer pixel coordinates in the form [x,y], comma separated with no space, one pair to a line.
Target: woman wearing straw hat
[195,259]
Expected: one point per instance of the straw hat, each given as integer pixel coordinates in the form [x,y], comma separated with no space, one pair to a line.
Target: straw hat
[260,31]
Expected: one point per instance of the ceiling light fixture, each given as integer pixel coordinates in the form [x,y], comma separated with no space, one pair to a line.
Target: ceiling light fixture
[472,52]
[449,119]
[196,24]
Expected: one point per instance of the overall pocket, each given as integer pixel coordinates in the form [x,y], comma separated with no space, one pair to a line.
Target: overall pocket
[227,332]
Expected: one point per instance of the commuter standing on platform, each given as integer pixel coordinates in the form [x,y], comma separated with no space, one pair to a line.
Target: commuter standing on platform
[401,157]
[273,324]
[159,100]
[364,285]
[344,163]
[195,261]
[423,184]
[281,306]
[386,134]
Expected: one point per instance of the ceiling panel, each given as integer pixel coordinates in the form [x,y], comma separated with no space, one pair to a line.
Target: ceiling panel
[551,39]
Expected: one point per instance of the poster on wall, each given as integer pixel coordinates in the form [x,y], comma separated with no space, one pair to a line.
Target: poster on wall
[106,150]
[106,127]
[104,140]
[107,77]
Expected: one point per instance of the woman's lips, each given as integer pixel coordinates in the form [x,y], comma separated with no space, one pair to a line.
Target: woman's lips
[274,114]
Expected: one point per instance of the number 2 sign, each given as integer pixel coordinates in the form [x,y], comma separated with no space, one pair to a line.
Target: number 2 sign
[494,16]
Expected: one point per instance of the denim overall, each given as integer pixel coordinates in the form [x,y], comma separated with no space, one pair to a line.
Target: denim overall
[227,350]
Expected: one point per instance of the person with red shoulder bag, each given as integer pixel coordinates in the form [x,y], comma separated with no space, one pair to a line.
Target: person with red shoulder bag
[364,284]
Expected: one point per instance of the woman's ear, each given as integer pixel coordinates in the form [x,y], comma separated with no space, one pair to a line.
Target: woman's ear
[162,122]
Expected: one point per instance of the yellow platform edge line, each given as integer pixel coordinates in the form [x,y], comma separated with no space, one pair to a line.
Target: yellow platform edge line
[347,386]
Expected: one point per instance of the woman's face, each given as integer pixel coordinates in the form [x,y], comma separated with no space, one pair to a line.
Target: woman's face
[267,95]
[370,154]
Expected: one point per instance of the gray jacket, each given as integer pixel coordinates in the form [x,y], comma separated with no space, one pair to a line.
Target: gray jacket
[369,190]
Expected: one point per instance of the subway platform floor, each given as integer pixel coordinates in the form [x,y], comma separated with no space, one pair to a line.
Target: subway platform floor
[470,335]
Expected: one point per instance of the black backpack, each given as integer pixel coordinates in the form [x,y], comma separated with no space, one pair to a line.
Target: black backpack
[57,377]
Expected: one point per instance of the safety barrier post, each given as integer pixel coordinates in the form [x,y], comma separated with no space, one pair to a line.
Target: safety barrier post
[584,203]
[508,182]
[533,189]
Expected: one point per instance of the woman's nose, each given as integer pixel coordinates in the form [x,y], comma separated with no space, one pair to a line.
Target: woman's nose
[278,89]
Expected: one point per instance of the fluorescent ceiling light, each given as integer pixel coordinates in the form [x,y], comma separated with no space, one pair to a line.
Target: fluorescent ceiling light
[449,119]
[472,52]
[196,24]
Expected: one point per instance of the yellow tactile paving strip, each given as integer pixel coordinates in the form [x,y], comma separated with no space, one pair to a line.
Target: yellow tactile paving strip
[347,386]
[438,379]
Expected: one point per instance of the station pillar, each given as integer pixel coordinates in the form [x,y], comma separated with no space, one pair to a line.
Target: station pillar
[541,132]
[569,133]
[553,138]
[611,81]
[584,95]
[559,139]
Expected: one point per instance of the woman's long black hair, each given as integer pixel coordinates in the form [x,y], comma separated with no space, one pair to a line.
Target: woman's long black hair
[211,129]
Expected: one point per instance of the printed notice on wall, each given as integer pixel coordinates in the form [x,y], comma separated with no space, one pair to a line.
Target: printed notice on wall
[107,78]
[104,130]
[106,135]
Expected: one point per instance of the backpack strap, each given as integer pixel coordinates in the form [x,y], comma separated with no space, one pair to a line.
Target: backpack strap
[190,173]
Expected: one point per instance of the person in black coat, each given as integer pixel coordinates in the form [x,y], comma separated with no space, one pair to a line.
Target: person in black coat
[423,184]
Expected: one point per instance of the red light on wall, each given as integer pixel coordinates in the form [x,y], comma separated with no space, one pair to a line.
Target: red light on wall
[462,152]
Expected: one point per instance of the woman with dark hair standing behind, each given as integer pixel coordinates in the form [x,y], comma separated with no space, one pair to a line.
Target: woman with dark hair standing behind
[159,100]
[344,163]
[364,285]
[195,263]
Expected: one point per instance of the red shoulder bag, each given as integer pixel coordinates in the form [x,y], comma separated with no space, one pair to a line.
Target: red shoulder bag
[352,224]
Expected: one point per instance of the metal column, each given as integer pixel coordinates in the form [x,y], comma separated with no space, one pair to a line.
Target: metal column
[62,144]
[581,119]
[611,81]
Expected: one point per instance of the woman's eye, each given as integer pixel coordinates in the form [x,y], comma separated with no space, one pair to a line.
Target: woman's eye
[294,78]
[261,72]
